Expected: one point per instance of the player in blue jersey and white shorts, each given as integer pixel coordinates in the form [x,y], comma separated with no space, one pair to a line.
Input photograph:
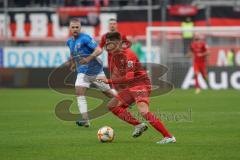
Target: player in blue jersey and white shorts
[84,60]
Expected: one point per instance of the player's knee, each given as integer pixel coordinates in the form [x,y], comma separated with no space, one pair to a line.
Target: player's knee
[110,106]
[143,108]
[80,91]
[112,103]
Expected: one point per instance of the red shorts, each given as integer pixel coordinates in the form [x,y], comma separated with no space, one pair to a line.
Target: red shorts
[138,93]
[200,67]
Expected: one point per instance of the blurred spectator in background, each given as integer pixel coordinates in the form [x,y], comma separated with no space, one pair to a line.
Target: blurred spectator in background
[140,2]
[176,2]
[102,3]
[71,2]
[43,3]
[17,3]
[186,34]
[87,2]
[137,48]
[60,2]
[98,3]
[123,3]
[231,57]
[145,2]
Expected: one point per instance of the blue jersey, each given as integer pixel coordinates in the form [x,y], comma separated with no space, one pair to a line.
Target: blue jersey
[81,47]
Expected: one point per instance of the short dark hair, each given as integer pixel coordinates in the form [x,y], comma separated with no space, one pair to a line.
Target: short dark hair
[113,36]
[75,19]
[112,19]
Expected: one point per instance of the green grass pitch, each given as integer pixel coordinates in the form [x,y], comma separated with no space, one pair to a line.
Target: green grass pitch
[207,127]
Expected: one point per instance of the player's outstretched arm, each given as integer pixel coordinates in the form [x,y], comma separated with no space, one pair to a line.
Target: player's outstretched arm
[95,53]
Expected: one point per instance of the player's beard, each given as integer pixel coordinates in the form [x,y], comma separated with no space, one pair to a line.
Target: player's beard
[113,29]
[75,34]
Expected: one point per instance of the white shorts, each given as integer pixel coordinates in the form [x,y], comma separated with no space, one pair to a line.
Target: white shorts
[85,81]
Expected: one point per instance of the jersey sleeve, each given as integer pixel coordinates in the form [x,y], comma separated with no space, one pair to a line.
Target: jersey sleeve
[90,42]
[68,45]
[103,41]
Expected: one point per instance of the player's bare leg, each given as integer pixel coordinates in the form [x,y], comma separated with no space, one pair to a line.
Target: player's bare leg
[110,93]
[82,105]
[156,123]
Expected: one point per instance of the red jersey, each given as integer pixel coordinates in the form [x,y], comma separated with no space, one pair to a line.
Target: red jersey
[103,39]
[198,48]
[127,71]
[103,42]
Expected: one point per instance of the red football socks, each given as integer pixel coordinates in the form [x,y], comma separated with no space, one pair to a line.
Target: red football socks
[157,124]
[196,81]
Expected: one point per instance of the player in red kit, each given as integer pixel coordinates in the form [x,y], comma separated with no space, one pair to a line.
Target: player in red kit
[112,27]
[198,50]
[133,85]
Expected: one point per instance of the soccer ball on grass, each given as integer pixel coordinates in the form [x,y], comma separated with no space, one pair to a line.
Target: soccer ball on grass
[105,134]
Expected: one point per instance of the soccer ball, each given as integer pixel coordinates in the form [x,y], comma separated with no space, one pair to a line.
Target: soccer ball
[105,134]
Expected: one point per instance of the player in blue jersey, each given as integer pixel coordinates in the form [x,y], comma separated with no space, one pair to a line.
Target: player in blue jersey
[84,60]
